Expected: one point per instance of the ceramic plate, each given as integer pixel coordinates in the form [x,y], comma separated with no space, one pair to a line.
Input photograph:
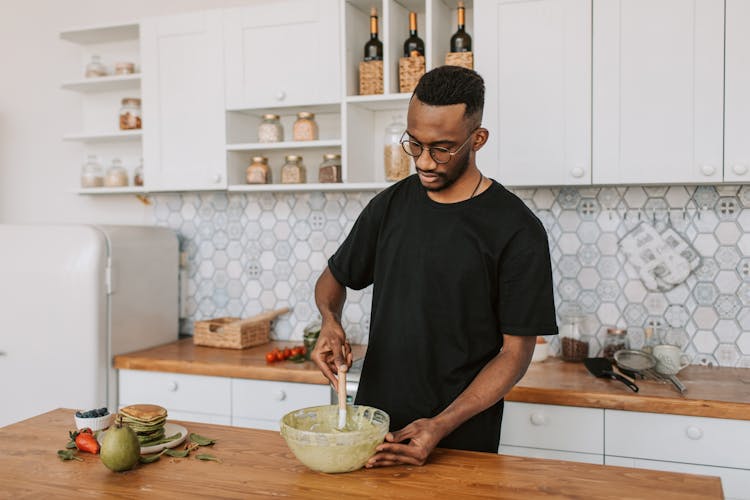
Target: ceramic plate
[169,430]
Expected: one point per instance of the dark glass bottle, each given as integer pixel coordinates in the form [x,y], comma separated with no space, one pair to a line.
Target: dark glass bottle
[373,47]
[461,41]
[413,46]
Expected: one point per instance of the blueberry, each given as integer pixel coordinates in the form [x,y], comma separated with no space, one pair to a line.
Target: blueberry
[102,412]
[79,414]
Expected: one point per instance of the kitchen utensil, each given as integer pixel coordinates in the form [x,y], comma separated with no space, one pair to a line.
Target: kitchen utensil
[670,359]
[642,362]
[602,368]
[342,397]
[312,436]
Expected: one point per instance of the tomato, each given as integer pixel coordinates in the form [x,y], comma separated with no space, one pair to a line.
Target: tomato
[287,353]
[279,355]
[296,350]
[270,357]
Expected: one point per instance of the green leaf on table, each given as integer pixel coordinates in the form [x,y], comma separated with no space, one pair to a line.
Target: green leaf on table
[149,459]
[68,455]
[203,441]
[177,453]
[205,456]
[71,445]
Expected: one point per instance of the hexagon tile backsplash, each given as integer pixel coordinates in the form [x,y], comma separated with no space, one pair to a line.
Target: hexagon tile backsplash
[250,252]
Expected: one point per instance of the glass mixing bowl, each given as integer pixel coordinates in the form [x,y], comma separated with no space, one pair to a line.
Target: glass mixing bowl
[312,436]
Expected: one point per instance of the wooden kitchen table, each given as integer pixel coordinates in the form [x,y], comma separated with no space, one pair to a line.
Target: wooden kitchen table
[258,464]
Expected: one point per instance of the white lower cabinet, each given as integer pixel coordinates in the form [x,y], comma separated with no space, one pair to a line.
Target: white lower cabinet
[698,445]
[549,431]
[261,403]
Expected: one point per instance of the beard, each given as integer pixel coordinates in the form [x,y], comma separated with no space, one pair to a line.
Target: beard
[450,176]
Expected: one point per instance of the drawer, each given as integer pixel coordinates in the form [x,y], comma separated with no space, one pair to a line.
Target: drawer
[564,428]
[677,438]
[569,456]
[177,391]
[268,400]
[734,482]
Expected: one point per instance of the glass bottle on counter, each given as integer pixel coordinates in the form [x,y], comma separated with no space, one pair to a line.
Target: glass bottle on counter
[116,175]
[258,172]
[330,169]
[373,47]
[650,339]
[293,171]
[130,114]
[395,160]
[616,340]
[270,129]
[92,173]
[95,68]
[305,128]
[574,343]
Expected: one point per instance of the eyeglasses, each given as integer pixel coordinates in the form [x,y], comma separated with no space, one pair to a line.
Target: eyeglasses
[438,154]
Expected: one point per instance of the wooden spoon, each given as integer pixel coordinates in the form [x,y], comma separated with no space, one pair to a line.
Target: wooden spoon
[342,397]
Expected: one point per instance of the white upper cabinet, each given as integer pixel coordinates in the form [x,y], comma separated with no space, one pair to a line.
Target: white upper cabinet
[737,99]
[283,53]
[658,91]
[183,101]
[535,57]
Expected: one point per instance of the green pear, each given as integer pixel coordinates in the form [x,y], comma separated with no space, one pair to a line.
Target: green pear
[120,448]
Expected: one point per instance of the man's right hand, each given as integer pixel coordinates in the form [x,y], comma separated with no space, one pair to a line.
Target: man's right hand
[332,351]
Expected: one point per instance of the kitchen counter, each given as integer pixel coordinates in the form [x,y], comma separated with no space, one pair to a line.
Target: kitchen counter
[258,464]
[712,392]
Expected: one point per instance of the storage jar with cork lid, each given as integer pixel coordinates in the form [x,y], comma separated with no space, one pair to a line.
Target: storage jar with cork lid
[270,129]
[395,160]
[130,114]
[616,340]
[116,175]
[305,128]
[330,169]
[92,173]
[293,171]
[574,342]
[258,172]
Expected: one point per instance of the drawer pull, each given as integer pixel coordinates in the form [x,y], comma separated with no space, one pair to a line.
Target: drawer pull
[694,432]
[279,395]
[538,419]
[740,169]
[708,170]
[577,172]
[172,386]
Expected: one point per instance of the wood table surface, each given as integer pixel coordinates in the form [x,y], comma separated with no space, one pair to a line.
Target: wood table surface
[258,464]
[712,392]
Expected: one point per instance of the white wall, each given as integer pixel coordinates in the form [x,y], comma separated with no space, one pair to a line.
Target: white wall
[38,171]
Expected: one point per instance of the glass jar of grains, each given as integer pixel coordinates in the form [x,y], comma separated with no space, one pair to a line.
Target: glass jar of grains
[116,175]
[293,171]
[138,174]
[574,342]
[330,169]
[258,172]
[92,173]
[305,128]
[124,68]
[270,129]
[396,161]
[95,68]
[616,340]
[130,114]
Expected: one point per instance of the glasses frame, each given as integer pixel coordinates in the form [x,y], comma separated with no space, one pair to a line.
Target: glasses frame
[404,142]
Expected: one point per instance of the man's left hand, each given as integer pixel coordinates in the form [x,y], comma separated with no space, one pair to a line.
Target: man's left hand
[423,435]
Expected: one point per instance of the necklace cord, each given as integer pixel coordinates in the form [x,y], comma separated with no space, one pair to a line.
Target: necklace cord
[481,178]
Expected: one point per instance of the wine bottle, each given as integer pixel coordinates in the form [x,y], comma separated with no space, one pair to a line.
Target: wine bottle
[413,46]
[461,41]
[373,47]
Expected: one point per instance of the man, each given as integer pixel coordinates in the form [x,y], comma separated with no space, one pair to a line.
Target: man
[462,285]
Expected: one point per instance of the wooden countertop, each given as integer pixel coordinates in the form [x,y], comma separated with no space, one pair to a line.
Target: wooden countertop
[183,356]
[712,392]
[258,463]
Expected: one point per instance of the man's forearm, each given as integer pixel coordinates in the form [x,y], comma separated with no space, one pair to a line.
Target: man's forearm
[495,380]
[330,296]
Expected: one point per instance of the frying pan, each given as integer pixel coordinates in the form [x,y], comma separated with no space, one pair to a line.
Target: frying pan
[602,368]
[643,363]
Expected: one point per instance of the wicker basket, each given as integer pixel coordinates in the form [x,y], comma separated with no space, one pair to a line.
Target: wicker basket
[370,77]
[463,59]
[235,333]
[410,70]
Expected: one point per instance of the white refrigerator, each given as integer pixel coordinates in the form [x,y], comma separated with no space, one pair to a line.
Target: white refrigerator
[71,298]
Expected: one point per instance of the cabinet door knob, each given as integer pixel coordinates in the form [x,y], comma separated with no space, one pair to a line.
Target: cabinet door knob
[172,386]
[538,419]
[739,169]
[694,432]
[577,172]
[708,170]
[279,395]
[280,95]
[217,178]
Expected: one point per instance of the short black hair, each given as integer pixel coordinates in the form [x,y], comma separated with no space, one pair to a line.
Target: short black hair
[446,85]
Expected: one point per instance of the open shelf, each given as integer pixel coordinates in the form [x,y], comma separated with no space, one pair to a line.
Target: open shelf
[317,108]
[316,186]
[104,83]
[267,146]
[113,190]
[380,102]
[102,33]
[114,136]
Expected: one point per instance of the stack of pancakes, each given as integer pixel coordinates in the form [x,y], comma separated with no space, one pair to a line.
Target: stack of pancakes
[146,420]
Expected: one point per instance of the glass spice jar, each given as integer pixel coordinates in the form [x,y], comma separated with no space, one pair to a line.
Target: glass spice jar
[138,174]
[270,129]
[616,340]
[258,172]
[92,173]
[396,161]
[293,171]
[116,175]
[95,68]
[124,68]
[330,168]
[130,114]
[574,343]
[305,128]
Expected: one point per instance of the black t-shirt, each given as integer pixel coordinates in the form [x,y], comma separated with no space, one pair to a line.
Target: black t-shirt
[449,280]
